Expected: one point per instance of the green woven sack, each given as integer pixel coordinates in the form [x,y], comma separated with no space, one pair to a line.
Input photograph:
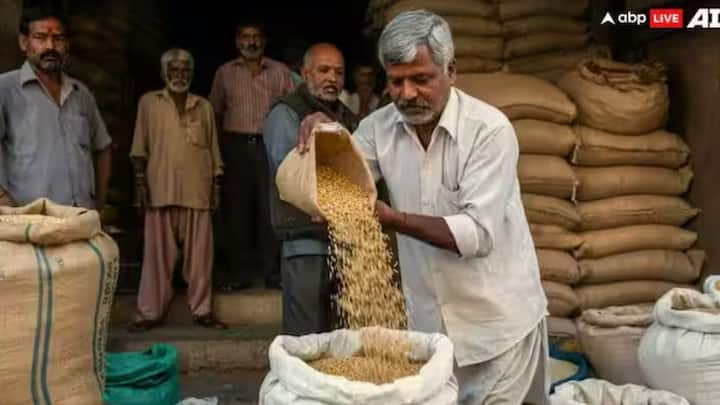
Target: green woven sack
[143,378]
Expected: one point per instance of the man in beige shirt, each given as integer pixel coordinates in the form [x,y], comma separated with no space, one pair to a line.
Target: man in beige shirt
[242,94]
[177,167]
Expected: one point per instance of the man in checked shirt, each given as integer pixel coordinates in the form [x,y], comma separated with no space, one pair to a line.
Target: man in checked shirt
[242,93]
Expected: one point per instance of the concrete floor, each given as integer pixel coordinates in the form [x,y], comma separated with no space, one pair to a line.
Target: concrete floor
[231,388]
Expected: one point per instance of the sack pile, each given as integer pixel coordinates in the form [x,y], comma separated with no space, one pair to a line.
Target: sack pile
[541,115]
[631,174]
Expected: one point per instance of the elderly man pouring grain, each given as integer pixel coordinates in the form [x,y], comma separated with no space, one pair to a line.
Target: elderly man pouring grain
[468,264]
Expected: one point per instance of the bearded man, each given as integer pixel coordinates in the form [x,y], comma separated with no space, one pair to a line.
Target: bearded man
[177,166]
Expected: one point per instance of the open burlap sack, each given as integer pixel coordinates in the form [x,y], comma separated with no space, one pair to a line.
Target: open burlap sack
[475,26]
[330,145]
[513,9]
[614,241]
[546,175]
[619,97]
[562,301]
[479,47]
[471,64]
[610,338]
[661,265]
[519,96]
[539,43]
[603,182]
[543,24]
[554,237]
[623,293]
[57,281]
[600,148]
[544,138]
[558,266]
[445,8]
[545,210]
[634,210]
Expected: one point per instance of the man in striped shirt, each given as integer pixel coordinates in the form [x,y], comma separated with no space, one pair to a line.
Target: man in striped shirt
[242,94]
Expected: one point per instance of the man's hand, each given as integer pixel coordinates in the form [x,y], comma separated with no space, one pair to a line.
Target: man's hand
[215,196]
[306,128]
[142,194]
[387,215]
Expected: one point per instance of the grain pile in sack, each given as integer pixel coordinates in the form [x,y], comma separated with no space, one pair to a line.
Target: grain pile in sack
[599,392]
[292,380]
[477,32]
[595,183]
[680,352]
[58,272]
[601,148]
[619,97]
[610,338]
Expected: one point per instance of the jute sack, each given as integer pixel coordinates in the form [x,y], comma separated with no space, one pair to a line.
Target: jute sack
[562,301]
[614,241]
[603,182]
[545,210]
[680,352]
[601,148]
[512,9]
[610,338]
[445,8]
[546,175]
[476,26]
[470,64]
[551,76]
[634,210]
[544,138]
[556,60]
[520,96]
[479,47]
[618,97]
[558,266]
[622,293]
[534,44]
[543,24]
[330,145]
[553,237]
[662,265]
[57,280]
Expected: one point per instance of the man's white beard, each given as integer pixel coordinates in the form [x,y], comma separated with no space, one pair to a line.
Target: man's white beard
[178,88]
[419,119]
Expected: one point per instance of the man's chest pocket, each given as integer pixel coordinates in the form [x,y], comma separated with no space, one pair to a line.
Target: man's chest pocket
[447,201]
[77,129]
[195,134]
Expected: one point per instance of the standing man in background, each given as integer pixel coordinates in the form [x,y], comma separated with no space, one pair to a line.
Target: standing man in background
[242,93]
[306,279]
[177,171]
[53,141]
[364,100]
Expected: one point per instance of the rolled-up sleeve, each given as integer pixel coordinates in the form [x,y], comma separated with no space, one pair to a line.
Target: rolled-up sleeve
[364,139]
[484,192]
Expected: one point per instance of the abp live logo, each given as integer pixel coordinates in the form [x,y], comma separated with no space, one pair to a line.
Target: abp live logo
[666,18]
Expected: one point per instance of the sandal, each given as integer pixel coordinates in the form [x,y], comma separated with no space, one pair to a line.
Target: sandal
[209,321]
[143,325]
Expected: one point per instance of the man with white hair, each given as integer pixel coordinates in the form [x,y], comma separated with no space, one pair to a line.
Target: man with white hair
[177,166]
[468,264]
[306,280]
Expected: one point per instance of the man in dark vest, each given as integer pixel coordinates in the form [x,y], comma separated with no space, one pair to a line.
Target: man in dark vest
[307,288]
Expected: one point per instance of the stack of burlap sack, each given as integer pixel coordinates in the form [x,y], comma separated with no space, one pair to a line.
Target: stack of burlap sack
[477,31]
[541,115]
[545,38]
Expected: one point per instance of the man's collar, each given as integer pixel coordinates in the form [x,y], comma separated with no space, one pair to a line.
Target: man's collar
[190,101]
[449,118]
[68,84]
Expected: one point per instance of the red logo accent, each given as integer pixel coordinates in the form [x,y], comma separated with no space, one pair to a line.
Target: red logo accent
[666,18]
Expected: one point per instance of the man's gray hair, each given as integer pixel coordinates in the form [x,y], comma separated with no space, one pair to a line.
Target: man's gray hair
[176,54]
[401,37]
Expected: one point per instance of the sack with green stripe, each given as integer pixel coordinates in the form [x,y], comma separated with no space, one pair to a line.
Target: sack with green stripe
[58,272]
